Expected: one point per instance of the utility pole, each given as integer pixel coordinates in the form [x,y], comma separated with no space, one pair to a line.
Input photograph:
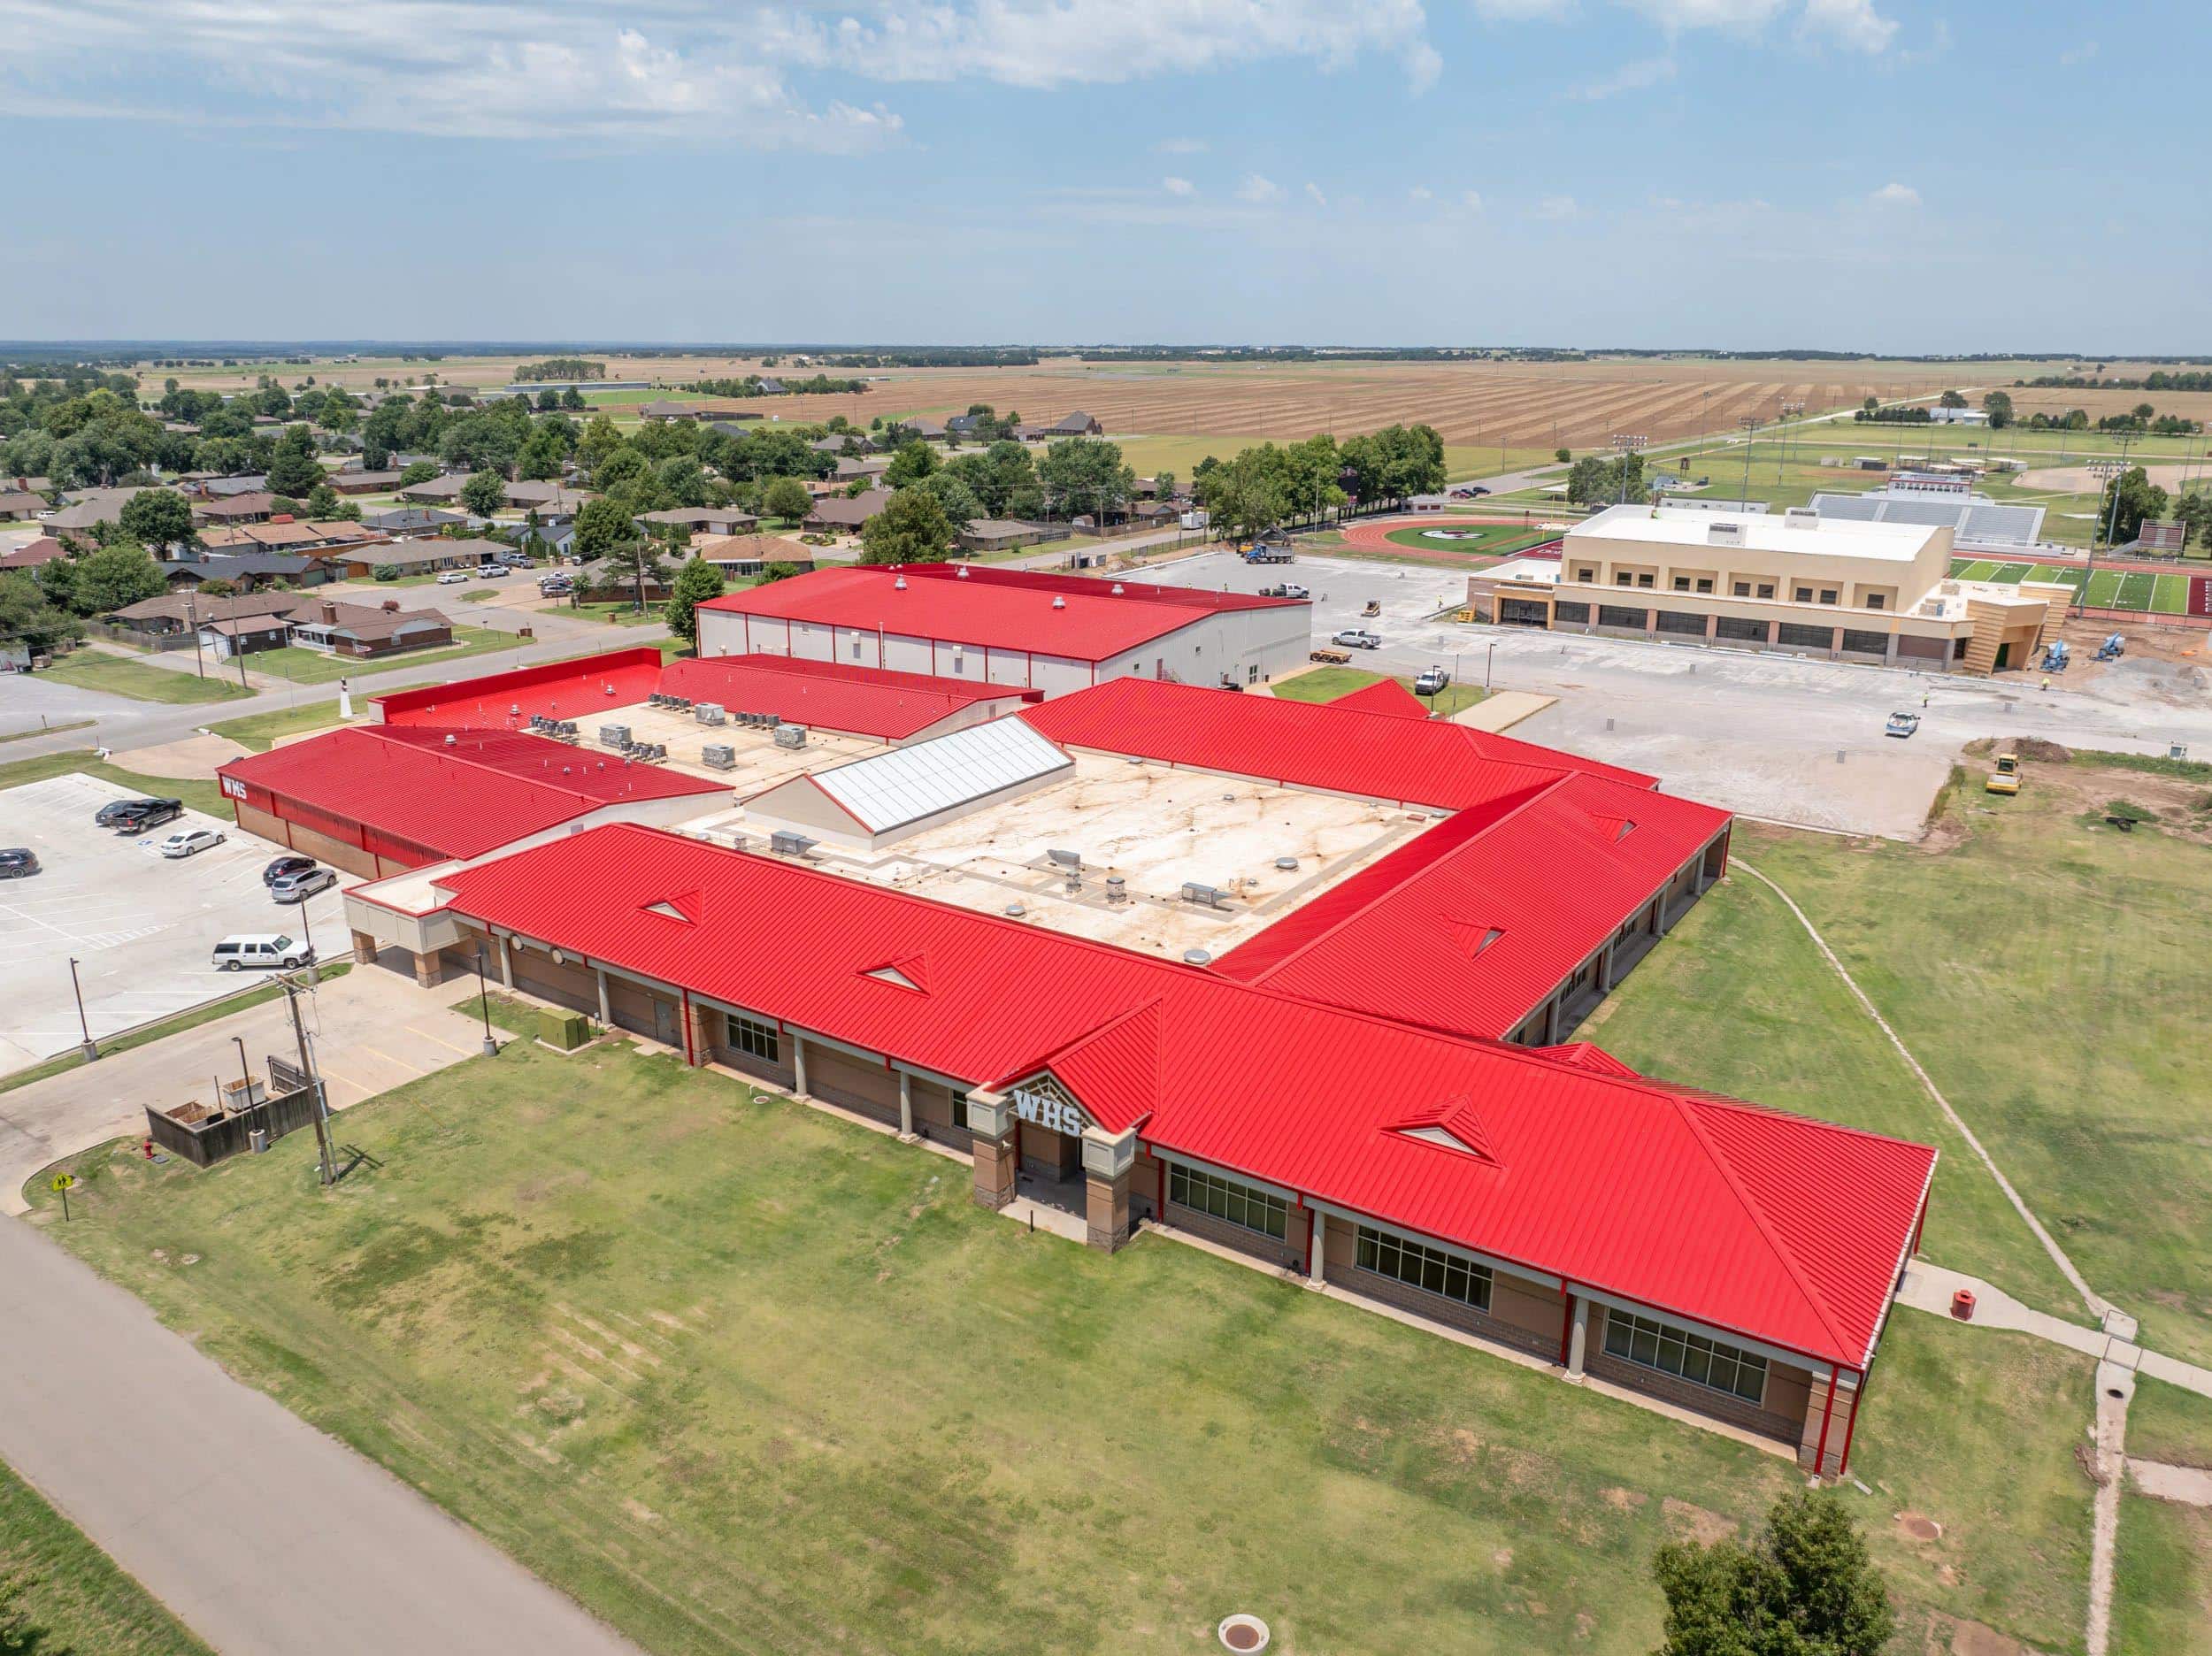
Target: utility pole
[1788,409]
[90,1048]
[1625,444]
[1750,423]
[329,1171]
[192,620]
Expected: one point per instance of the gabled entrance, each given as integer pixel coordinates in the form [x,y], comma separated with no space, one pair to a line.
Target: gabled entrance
[1035,1140]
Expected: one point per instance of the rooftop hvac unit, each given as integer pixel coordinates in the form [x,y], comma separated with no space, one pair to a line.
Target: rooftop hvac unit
[709,713]
[790,735]
[784,844]
[1213,897]
[614,735]
[717,756]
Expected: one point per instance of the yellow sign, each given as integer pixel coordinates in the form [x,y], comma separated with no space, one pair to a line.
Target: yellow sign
[63,1181]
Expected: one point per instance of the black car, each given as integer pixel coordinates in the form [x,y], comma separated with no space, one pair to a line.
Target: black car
[138,816]
[18,862]
[284,865]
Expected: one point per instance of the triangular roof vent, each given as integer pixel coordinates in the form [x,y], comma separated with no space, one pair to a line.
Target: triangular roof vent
[683,906]
[908,973]
[1472,937]
[1612,829]
[1452,1123]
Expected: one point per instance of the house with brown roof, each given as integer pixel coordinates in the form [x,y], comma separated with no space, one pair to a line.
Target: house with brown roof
[433,491]
[424,556]
[362,630]
[713,520]
[543,497]
[238,509]
[20,505]
[45,549]
[363,482]
[752,554]
[176,612]
[289,534]
[87,507]
[1076,425]
[840,515]
[999,535]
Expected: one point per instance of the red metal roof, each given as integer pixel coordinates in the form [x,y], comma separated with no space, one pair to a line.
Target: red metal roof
[1385,695]
[1011,609]
[574,689]
[1778,1228]
[484,790]
[1423,761]
[834,695]
[1469,927]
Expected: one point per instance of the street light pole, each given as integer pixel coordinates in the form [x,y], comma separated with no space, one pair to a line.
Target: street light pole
[89,1050]
[245,1071]
[484,1004]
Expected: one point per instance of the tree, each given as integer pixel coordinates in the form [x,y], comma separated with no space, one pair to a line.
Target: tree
[685,479]
[695,582]
[1951,399]
[544,453]
[418,472]
[216,587]
[913,462]
[485,492]
[29,616]
[1249,494]
[1562,455]
[954,498]
[1803,1587]
[1595,480]
[1395,462]
[1003,479]
[158,517]
[786,498]
[2129,499]
[573,400]
[1085,474]
[1998,406]
[2194,511]
[116,576]
[911,529]
[293,468]
[603,527]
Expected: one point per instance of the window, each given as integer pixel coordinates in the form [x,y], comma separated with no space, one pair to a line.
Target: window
[1804,595]
[855,649]
[1621,578]
[1588,573]
[1827,594]
[1766,589]
[1874,600]
[749,1035]
[1705,583]
[1643,580]
[1674,1350]
[1682,621]
[1617,616]
[1682,583]
[1565,611]
[1741,589]
[1430,1269]
[1224,1198]
[1799,636]
[1739,629]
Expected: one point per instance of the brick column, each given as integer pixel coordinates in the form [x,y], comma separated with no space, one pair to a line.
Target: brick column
[1651,624]
[506,965]
[1106,1165]
[991,1118]
[906,1105]
[429,970]
[364,947]
[695,1042]
[1578,1340]
[1835,644]
[1774,635]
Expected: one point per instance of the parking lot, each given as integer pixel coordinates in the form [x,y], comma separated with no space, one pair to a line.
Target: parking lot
[139,926]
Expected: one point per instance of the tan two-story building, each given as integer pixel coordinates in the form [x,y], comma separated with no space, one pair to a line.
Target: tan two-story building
[1840,589]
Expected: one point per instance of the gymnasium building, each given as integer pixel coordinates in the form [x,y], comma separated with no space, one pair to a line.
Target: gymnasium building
[1836,588]
[1298,982]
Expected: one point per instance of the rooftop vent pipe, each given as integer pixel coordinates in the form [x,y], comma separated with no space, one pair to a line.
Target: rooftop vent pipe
[899,585]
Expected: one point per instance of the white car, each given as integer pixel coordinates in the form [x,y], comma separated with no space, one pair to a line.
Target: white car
[189,842]
[452,578]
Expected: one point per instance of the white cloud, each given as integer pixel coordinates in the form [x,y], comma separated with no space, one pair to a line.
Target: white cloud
[1179,187]
[1521,10]
[1420,193]
[1896,195]
[1852,23]
[1259,191]
[2074,55]
[1472,200]
[1314,194]
[1180,146]
[1557,208]
[1424,65]
[1744,16]
[1631,77]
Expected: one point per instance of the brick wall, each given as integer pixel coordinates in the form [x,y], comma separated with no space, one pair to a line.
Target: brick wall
[1688,1393]
[1290,1252]
[866,1089]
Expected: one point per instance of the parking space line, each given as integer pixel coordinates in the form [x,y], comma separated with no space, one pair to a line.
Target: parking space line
[413,1029]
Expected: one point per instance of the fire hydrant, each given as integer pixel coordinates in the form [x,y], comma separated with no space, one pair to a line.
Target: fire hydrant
[147,1149]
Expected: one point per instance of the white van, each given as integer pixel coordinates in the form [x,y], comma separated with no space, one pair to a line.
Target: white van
[261,948]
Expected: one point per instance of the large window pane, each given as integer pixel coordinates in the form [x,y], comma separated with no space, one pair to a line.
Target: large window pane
[1694,1357]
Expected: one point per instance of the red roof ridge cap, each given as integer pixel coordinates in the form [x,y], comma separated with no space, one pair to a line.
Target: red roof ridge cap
[1760,1222]
[1097,1031]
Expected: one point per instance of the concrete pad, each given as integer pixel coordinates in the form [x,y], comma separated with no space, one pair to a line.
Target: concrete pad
[1929,1287]
[193,757]
[2189,1486]
[1502,710]
[140,925]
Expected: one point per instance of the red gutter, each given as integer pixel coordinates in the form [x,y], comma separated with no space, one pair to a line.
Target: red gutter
[1820,1451]
[1851,1425]
[689,1059]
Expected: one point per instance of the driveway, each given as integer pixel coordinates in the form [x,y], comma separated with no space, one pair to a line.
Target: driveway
[139,924]
[369,1031]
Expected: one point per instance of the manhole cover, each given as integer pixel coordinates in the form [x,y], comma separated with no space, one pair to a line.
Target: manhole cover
[1243,1633]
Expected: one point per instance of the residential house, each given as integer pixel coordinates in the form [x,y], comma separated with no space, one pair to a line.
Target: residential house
[31,554]
[772,388]
[1001,534]
[236,508]
[419,557]
[227,487]
[248,572]
[231,637]
[176,613]
[361,631]
[926,429]
[20,505]
[544,497]
[851,467]
[841,515]
[87,507]
[363,482]
[289,534]
[435,491]
[406,522]
[713,520]
[746,554]
[1076,425]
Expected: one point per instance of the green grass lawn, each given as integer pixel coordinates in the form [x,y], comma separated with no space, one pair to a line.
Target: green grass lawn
[1326,684]
[618,612]
[260,730]
[296,665]
[2135,591]
[2050,978]
[2065,574]
[1488,540]
[2170,596]
[200,795]
[2162,1579]
[741,1375]
[114,675]
[71,1592]
[2167,1423]
[2102,590]
[49,730]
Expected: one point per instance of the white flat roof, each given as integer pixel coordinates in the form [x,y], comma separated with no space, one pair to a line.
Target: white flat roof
[1834,538]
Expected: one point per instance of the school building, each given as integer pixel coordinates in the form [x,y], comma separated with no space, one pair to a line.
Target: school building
[1297,980]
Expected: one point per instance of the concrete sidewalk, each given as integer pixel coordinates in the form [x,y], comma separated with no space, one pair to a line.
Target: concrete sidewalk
[266,1537]
[371,1030]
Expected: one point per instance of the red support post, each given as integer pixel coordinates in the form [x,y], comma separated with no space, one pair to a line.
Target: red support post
[1827,1409]
[686,1015]
[1566,1324]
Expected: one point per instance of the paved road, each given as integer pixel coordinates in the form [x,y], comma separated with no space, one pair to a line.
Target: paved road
[266,1537]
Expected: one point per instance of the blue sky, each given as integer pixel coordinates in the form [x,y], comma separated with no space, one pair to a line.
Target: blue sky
[1910,175]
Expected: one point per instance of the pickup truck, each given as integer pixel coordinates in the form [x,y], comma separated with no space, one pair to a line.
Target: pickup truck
[1288,590]
[1357,638]
[141,815]
[1435,681]
[1901,725]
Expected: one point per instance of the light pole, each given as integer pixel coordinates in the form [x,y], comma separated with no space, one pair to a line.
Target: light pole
[245,1072]
[1625,444]
[192,620]
[89,1050]
[484,1004]
[1488,662]
[1750,423]
[1788,409]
